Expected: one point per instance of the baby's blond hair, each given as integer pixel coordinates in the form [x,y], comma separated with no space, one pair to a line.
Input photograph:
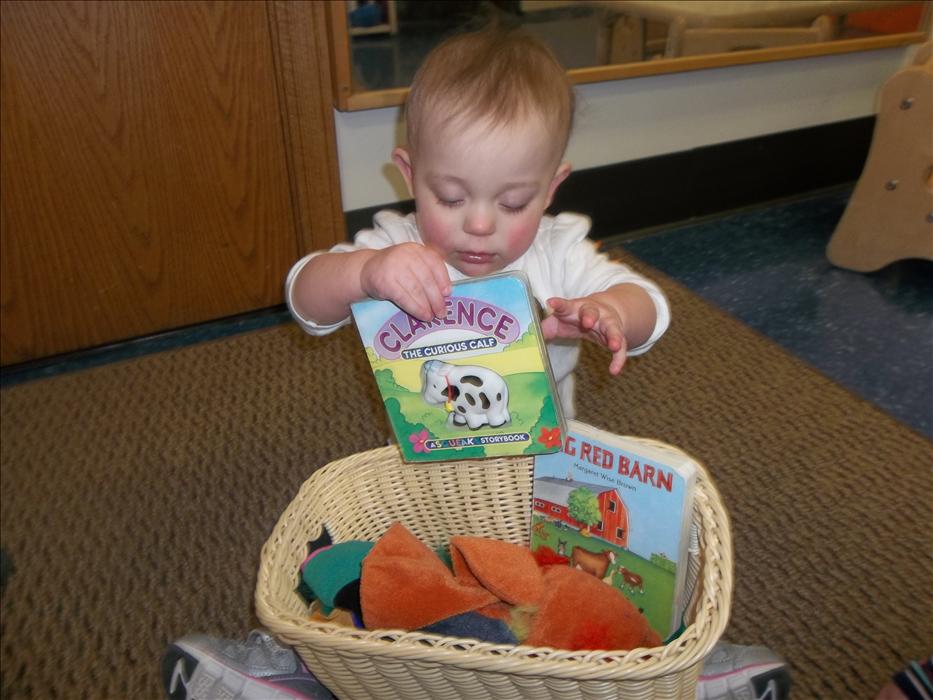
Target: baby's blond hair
[497,75]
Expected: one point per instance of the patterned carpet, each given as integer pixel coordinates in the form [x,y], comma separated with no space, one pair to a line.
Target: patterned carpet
[136,496]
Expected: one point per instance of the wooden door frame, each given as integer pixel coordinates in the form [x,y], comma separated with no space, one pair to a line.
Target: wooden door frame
[302,55]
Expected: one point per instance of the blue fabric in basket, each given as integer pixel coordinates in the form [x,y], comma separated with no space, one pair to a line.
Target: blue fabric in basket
[474,625]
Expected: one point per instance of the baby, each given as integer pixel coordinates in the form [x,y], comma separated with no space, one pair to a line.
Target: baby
[488,120]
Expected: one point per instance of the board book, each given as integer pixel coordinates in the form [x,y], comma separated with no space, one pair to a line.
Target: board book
[620,508]
[474,384]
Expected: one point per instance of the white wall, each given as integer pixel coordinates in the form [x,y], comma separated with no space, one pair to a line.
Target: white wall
[636,118]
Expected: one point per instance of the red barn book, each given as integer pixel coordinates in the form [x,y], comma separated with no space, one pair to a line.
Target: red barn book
[621,509]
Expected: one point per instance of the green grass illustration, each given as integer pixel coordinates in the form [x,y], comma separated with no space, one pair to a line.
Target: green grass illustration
[527,407]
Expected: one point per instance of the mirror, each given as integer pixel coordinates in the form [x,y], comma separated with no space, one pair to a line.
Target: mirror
[377,45]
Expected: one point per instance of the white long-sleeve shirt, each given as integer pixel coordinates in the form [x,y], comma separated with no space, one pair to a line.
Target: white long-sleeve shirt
[561,262]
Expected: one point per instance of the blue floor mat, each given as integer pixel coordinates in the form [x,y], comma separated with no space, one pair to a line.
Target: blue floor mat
[872,333]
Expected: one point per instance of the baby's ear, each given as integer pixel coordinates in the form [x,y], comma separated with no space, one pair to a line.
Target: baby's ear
[402,161]
[563,170]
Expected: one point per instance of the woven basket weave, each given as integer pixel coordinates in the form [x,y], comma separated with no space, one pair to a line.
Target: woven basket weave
[360,496]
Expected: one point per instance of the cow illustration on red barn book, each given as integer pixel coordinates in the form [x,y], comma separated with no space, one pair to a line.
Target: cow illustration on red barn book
[554,498]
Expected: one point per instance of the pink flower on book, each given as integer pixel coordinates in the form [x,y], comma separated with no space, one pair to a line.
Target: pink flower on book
[550,438]
[419,441]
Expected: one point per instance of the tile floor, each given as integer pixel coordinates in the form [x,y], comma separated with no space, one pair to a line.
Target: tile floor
[872,333]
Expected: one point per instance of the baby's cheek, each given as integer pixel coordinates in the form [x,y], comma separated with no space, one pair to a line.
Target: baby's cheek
[433,227]
[521,233]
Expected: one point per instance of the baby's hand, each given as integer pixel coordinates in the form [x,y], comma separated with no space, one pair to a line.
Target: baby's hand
[588,317]
[411,276]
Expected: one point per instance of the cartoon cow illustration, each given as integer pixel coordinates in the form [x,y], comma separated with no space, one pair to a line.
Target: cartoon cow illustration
[591,562]
[632,580]
[474,396]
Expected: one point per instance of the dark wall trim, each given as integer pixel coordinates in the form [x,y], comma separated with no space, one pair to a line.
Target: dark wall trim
[358,219]
[671,188]
[44,367]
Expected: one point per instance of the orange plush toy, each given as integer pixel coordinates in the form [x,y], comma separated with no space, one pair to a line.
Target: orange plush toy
[404,585]
[581,612]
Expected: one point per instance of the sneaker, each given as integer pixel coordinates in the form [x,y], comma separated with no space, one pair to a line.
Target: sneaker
[733,672]
[198,667]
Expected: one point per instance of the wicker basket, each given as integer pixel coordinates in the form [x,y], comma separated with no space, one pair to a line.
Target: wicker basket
[360,496]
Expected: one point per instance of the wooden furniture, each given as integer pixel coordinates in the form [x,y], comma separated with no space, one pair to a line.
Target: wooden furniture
[163,164]
[890,214]
[697,27]
[686,41]
[718,26]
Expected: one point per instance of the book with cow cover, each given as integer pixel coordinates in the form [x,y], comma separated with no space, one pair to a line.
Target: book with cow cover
[621,508]
[474,384]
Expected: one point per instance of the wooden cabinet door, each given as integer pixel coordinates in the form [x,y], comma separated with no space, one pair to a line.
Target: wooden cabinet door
[143,165]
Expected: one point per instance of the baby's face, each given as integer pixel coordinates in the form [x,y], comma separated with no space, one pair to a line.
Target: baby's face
[480,193]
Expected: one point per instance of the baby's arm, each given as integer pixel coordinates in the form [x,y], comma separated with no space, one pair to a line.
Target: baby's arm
[409,274]
[618,318]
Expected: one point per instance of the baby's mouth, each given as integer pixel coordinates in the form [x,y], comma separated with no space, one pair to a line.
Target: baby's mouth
[475,258]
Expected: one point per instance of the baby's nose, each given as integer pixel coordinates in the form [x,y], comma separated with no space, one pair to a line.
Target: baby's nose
[479,222]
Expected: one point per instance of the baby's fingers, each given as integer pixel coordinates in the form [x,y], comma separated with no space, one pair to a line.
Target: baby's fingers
[436,285]
[617,361]
[439,274]
[559,306]
[423,300]
[413,300]
[610,329]
[589,316]
[610,333]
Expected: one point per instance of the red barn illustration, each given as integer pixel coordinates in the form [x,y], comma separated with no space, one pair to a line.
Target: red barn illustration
[551,498]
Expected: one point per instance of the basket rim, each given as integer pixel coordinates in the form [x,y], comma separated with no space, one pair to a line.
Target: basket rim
[642,663]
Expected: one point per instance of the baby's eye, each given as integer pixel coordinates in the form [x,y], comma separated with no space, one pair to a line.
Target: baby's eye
[514,209]
[450,203]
